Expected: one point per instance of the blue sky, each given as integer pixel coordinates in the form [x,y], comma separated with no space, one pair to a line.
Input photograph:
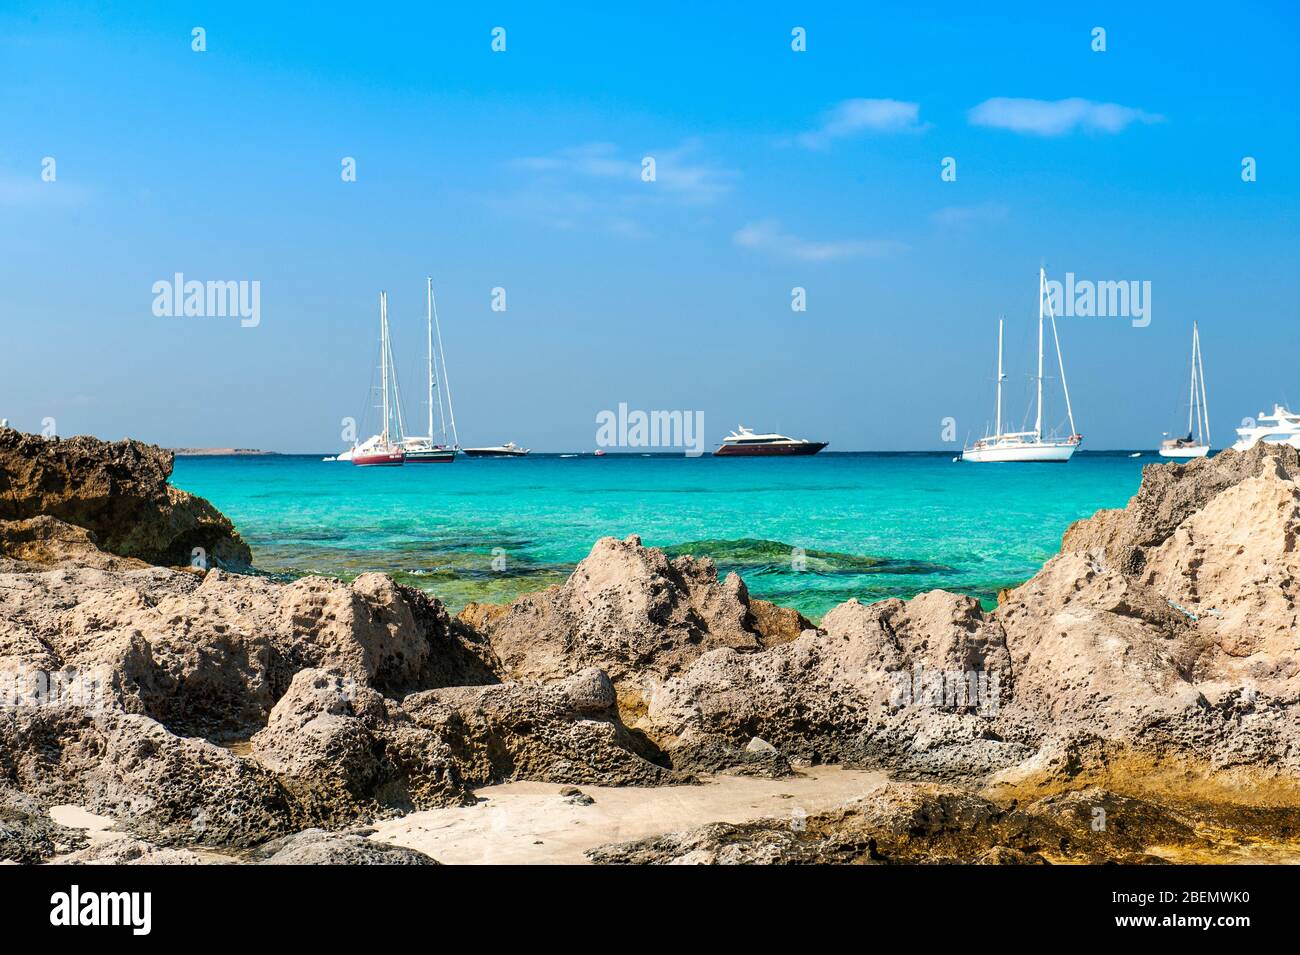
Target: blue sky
[818,169]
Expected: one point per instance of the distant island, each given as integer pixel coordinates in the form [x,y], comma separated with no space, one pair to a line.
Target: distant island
[217,452]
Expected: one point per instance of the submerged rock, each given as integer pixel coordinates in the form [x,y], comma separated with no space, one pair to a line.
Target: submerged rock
[755,555]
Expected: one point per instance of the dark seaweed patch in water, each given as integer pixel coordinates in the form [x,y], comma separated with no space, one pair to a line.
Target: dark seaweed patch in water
[457,588]
[751,555]
[293,535]
[483,571]
[475,544]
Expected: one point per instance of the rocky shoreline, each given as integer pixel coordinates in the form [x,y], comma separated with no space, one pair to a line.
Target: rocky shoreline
[1136,700]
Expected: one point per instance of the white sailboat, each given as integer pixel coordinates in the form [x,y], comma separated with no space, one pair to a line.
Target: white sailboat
[1029,446]
[424,450]
[1197,410]
[384,448]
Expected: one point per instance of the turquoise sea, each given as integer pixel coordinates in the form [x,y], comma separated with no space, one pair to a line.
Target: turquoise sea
[866,525]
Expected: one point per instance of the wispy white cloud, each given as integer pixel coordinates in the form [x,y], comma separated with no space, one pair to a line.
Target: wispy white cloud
[855,116]
[768,236]
[598,187]
[1039,117]
[559,209]
[956,217]
[590,159]
[680,171]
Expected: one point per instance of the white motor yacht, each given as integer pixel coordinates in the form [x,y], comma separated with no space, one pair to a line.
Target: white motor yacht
[1280,427]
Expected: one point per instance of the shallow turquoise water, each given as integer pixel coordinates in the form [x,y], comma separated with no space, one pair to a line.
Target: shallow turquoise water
[870,525]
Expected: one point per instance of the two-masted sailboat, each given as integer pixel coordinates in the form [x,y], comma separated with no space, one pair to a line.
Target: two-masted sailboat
[1008,446]
[391,446]
[1197,413]
[424,450]
[383,449]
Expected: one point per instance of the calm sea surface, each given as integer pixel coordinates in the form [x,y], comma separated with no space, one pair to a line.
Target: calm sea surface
[804,532]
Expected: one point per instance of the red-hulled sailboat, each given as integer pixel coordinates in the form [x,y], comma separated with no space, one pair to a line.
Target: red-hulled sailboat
[381,450]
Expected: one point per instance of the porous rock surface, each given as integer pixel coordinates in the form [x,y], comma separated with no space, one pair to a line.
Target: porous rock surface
[1158,649]
[116,491]
[203,708]
[1157,653]
[634,613]
[320,847]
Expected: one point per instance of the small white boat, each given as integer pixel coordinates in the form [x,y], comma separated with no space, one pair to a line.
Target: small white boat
[1028,446]
[1280,427]
[1136,454]
[1185,448]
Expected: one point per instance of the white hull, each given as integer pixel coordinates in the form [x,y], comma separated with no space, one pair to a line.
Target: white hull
[1045,451]
[1013,447]
[1198,413]
[1184,453]
[367,446]
[1246,444]
[507,450]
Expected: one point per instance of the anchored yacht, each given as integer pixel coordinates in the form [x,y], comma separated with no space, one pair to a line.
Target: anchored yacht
[507,450]
[745,443]
[382,450]
[425,450]
[1008,446]
[1197,410]
[1280,427]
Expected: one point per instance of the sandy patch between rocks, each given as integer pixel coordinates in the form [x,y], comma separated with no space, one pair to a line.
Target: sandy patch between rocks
[528,822]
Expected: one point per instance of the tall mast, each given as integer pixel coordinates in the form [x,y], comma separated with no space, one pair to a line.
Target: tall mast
[999,412]
[429,315]
[1200,369]
[1192,406]
[1060,363]
[446,384]
[1038,419]
[383,358]
[392,374]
